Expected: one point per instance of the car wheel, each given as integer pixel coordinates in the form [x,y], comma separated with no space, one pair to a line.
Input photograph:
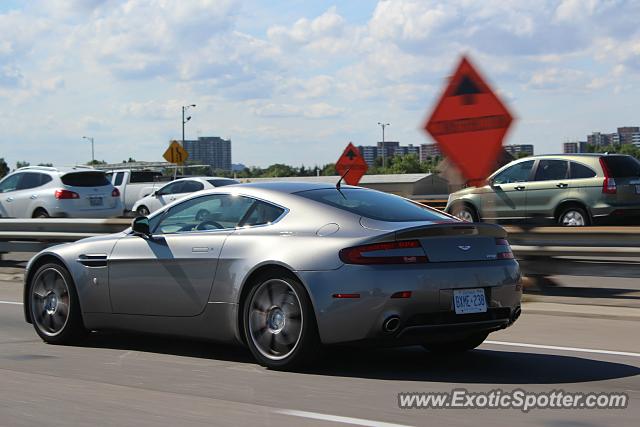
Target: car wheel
[279,323]
[457,346]
[40,213]
[54,307]
[465,213]
[573,216]
[143,210]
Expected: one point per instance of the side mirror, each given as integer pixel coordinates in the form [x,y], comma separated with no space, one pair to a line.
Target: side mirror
[140,225]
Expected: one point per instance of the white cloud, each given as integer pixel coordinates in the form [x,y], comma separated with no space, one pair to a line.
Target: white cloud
[555,79]
[124,68]
[320,110]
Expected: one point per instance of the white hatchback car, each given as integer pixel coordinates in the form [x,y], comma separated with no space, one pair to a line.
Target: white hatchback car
[176,190]
[42,192]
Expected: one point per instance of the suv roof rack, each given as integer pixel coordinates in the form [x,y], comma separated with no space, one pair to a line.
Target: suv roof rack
[42,168]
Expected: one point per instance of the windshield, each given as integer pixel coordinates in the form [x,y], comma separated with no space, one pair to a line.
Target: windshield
[374,204]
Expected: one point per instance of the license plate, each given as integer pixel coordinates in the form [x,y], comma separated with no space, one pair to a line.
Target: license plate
[95,201]
[469,301]
[637,188]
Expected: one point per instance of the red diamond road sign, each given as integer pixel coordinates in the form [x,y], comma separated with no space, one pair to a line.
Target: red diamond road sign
[469,123]
[352,161]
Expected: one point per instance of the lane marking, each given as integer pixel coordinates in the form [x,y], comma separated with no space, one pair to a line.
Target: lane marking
[336,418]
[11,302]
[574,349]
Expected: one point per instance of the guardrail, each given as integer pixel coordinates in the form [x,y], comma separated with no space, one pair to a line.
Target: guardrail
[542,251]
[32,235]
[588,251]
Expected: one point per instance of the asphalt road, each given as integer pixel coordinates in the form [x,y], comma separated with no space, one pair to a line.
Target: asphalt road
[121,380]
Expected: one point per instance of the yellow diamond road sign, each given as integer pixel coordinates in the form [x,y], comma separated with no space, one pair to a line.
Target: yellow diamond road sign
[175,153]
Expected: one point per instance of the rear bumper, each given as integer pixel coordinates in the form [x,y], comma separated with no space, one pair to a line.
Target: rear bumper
[61,212]
[427,315]
[615,210]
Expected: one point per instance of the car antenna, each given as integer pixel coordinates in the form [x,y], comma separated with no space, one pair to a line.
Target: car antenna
[340,181]
[341,178]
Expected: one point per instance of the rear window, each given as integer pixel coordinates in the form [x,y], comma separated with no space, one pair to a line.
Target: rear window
[621,166]
[222,182]
[373,204]
[144,176]
[85,179]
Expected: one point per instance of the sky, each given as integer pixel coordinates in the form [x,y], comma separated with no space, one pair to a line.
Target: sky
[295,81]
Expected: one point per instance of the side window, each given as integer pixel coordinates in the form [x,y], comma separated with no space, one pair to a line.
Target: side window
[172,188]
[191,186]
[10,183]
[214,212]
[579,171]
[30,180]
[118,180]
[550,170]
[45,179]
[516,173]
[262,213]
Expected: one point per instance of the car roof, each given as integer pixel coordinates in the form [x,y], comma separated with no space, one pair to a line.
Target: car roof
[60,169]
[288,186]
[587,155]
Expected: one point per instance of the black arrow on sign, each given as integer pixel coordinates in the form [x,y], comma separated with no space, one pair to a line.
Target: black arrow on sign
[351,155]
[467,88]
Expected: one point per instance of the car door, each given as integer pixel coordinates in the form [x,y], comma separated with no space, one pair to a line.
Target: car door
[8,187]
[27,195]
[171,272]
[505,196]
[550,186]
[165,195]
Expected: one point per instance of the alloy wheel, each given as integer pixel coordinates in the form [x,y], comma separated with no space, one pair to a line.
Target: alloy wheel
[465,215]
[275,319]
[573,219]
[50,302]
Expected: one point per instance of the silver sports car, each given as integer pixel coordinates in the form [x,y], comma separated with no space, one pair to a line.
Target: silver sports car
[283,268]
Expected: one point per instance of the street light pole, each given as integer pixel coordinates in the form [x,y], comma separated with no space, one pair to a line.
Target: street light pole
[93,157]
[184,122]
[384,149]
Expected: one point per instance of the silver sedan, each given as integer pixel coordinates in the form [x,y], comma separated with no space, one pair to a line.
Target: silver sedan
[283,268]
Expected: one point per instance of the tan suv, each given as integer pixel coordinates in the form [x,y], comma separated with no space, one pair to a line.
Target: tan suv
[571,189]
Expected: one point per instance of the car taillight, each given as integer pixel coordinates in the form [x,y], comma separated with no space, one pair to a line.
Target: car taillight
[66,194]
[115,193]
[504,250]
[609,184]
[384,253]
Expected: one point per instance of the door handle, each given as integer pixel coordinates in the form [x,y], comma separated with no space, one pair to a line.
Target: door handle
[200,249]
[9,199]
[519,187]
[562,185]
[33,197]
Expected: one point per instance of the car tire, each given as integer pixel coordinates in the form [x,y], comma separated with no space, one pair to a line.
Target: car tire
[574,216]
[143,211]
[54,306]
[40,213]
[457,346]
[279,322]
[465,213]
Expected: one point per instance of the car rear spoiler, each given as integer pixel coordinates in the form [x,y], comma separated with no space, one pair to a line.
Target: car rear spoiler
[445,229]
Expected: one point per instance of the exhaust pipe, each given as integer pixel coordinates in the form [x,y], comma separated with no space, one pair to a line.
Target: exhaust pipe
[391,324]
